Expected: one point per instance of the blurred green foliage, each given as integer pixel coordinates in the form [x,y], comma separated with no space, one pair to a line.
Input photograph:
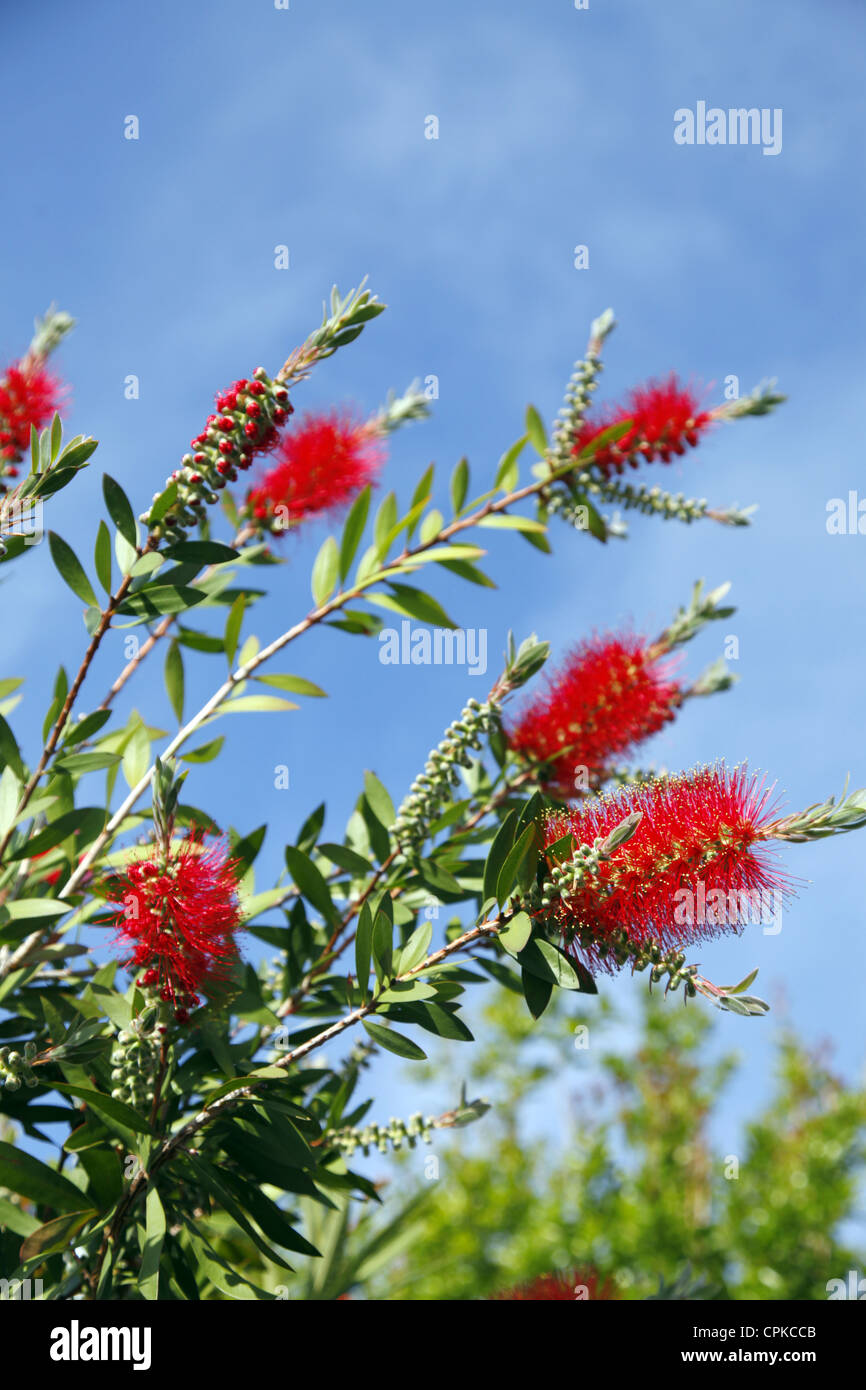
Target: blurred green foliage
[634,1187]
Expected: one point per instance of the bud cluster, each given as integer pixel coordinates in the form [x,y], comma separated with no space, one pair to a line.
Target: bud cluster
[135,1059]
[247,420]
[16,1067]
[619,950]
[564,878]
[432,786]
[648,500]
[378,1136]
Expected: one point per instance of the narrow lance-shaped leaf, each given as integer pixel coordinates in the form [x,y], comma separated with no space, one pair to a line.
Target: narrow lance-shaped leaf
[71,570]
[120,510]
[325,570]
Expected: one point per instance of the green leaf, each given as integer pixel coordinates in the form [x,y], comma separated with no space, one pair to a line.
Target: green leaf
[393,1041]
[309,881]
[213,1179]
[56,435]
[325,570]
[386,520]
[87,820]
[420,498]
[29,1177]
[86,762]
[354,530]
[296,684]
[347,859]
[431,526]
[497,855]
[404,992]
[201,553]
[536,992]
[256,704]
[70,569]
[156,600]
[205,753]
[435,1019]
[508,472]
[20,909]
[14,1218]
[102,556]
[116,1110]
[535,431]
[56,1234]
[459,485]
[415,949]
[363,948]
[383,946]
[542,959]
[164,502]
[86,727]
[199,641]
[520,863]
[9,751]
[136,754]
[174,680]
[515,936]
[378,800]
[413,603]
[120,510]
[10,793]
[498,521]
[234,623]
[148,1278]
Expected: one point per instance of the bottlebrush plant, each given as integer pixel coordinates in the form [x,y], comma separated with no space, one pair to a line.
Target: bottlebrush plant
[198,1153]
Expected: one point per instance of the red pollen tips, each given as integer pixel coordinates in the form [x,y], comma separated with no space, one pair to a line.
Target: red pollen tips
[607,696]
[665,418]
[29,395]
[178,921]
[697,865]
[319,465]
[575,1286]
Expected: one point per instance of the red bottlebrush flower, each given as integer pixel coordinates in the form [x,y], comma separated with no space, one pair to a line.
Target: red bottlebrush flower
[665,419]
[577,1286]
[697,865]
[608,695]
[29,395]
[319,465]
[179,921]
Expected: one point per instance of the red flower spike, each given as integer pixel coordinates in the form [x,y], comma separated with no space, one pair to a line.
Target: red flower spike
[179,920]
[29,395]
[575,1286]
[607,696]
[319,465]
[697,865]
[665,418]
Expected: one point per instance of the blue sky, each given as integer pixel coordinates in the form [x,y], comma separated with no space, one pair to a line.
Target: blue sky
[306,127]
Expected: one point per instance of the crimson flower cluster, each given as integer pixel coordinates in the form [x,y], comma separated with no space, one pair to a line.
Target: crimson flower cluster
[610,693]
[696,866]
[319,465]
[179,921]
[562,1286]
[29,396]
[665,419]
